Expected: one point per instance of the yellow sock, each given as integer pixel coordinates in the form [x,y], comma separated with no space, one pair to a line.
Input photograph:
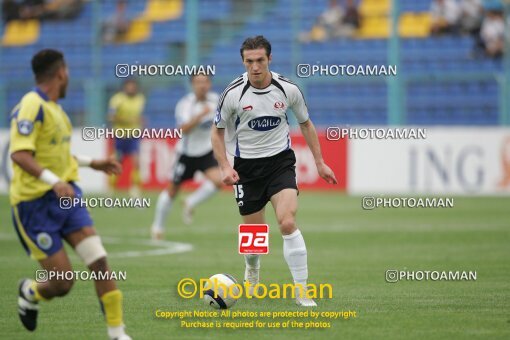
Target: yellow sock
[112,306]
[34,293]
[113,181]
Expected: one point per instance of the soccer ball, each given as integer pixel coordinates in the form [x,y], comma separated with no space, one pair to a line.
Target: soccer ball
[221,291]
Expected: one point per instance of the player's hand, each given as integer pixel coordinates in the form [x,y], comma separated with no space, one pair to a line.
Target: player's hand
[63,189]
[229,176]
[109,166]
[326,173]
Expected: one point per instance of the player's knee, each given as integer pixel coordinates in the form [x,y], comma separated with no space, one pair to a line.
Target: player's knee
[287,225]
[91,250]
[62,287]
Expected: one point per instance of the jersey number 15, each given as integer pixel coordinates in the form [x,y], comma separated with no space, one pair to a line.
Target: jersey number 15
[238,191]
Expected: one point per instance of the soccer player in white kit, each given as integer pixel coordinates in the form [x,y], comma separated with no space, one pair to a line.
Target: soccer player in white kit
[194,114]
[251,123]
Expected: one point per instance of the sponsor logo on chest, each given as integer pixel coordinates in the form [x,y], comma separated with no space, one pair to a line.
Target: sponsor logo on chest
[264,123]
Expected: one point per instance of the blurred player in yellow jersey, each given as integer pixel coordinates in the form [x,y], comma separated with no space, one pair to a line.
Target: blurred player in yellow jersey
[44,172]
[125,112]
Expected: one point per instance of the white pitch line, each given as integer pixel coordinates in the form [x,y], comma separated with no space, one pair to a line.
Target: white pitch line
[163,247]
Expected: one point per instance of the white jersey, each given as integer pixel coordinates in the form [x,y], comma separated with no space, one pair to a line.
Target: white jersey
[256,119]
[196,142]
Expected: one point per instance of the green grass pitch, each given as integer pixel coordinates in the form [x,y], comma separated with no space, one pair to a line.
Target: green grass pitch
[348,247]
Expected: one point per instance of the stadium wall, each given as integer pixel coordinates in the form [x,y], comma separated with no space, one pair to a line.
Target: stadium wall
[460,161]
[464,161]
[157,157]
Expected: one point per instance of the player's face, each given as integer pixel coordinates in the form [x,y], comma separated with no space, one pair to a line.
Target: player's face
[256,63]
[201,85]
[131,88]
[64,80]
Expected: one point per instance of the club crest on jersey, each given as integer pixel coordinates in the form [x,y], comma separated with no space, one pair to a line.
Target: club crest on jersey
[25,127]
[44,241]
[264,123]
[279,105]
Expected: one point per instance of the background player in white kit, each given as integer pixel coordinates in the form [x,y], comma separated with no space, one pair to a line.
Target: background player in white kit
[194,114]
[253,111]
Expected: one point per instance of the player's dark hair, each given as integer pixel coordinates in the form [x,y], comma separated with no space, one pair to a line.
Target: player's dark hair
[46,63]
[253,43]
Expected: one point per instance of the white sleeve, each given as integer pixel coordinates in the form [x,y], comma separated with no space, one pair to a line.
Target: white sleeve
[224,111]
[180,113]
[452,12]
[214,97]
[298,105]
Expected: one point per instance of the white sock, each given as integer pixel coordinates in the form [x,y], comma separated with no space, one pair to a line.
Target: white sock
[294,251]
[27,291]
[252,261]
[162,208]
[206,190]
[115,332]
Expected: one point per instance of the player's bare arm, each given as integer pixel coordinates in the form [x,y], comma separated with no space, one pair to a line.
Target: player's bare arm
[228,175]
[26,161]
[189,126]
[310,134]
[110,166]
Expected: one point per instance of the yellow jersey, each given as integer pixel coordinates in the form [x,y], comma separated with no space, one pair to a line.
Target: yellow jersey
[40,125]
[127,111]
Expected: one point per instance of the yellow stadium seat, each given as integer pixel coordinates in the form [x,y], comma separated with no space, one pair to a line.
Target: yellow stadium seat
[139,30]
[374,28]
[414,25]
[370,8]
[21,32]
[163,10]
[376,23]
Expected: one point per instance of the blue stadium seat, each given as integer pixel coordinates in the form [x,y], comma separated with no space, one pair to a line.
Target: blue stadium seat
[330,103]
